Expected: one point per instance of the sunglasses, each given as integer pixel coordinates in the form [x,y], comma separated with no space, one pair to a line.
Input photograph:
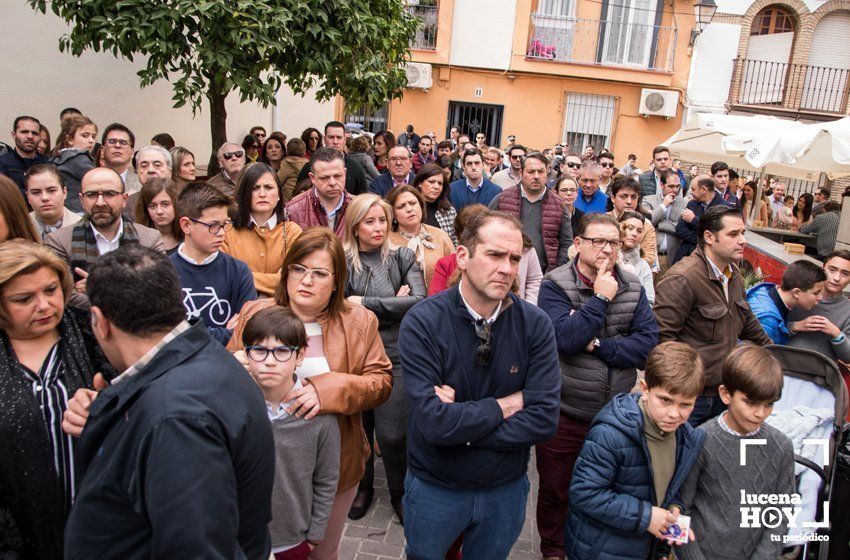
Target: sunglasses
[573,165]
[483,352]
[231,155]
[611,165]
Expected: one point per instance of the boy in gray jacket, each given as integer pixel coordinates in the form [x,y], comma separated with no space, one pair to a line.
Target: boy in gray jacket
[306,451]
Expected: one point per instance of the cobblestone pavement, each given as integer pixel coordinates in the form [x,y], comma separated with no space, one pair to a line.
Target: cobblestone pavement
[378,535]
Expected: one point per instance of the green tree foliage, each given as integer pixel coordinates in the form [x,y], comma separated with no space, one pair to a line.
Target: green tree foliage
[208,48]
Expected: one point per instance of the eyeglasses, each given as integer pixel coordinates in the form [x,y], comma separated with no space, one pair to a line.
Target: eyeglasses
[518,156]
[231,155]
[299,272]
[92,196]
[118,142]
[313,138]
[280,353]
[600,242]
[400,159]
[482,353]
[609,164]
[573,165]
[215,227]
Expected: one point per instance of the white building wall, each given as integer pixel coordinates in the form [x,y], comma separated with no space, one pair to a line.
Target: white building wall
[482,33]
[294,113]
[711,68]
[40,81]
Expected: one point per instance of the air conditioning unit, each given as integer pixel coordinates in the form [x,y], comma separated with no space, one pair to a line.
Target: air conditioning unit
[660,102]
[418,75]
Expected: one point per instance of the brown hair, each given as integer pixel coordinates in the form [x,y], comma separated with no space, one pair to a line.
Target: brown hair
[675,367]
[470,238]
[14,211]
[753,371]
[275,322]
[359,145]
[396,192]
[70,126]
[151,190]
[310,241]
[295,147]
[20,256]
[198,196]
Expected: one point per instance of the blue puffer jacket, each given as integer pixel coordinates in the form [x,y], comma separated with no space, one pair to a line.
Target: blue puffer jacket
[765,310]
[612,491]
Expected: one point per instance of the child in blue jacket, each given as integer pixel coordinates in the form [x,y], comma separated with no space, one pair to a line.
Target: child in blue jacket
[625,487]
[802,286]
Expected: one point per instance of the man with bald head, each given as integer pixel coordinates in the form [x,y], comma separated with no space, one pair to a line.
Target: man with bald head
[231,159]
[102,228]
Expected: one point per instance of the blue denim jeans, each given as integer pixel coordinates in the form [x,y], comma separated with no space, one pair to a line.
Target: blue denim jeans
[705,409]
[490,519]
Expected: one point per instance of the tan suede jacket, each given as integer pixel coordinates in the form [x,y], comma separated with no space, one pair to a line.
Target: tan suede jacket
[360,378]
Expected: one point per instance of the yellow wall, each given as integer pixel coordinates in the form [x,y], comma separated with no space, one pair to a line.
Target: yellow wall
[533,109]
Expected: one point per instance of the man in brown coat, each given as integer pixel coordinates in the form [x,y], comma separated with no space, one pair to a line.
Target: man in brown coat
[701,302]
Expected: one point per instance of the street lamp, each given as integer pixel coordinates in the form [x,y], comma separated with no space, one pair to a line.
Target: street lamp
[704,11]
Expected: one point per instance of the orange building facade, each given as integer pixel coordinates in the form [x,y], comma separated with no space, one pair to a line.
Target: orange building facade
[546,71]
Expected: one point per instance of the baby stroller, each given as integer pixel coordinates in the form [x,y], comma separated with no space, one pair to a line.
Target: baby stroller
[813,406]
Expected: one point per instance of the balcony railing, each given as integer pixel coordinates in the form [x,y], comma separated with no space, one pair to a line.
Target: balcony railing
[426,34]
[602,43]
[789,87]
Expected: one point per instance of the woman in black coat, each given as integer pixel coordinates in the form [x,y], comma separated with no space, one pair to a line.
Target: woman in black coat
[47,353]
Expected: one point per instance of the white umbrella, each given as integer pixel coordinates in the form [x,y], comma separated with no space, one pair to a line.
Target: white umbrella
[767,144]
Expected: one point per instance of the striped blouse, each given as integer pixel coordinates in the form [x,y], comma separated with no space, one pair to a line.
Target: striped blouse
[49,390]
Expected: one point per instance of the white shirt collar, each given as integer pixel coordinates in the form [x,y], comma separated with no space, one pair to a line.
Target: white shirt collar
[280,410]
[270,224]
[717,272]
[475,315]
[190,260]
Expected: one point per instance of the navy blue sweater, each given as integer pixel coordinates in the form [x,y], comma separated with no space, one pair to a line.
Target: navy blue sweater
[216,291]
[467,444]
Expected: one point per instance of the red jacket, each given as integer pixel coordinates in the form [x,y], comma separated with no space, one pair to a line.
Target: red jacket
[306,211]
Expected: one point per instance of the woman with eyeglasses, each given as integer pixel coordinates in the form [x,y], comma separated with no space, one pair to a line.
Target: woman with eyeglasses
[262,233]
[381,144]
[439,212]
[251,146]
[47,352]
[428,243]
[156,207]
[388,282]
[183,167]
[312,139]
[567,188]
[345,370]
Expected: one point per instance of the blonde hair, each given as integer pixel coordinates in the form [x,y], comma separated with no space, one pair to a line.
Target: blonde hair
[354,214]
[19,256]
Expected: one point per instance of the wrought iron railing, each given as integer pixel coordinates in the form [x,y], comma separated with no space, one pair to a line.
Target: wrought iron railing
[426,33]
[793,87]
[602,43]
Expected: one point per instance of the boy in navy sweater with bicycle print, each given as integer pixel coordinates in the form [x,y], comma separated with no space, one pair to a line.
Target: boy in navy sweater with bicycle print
[215,285]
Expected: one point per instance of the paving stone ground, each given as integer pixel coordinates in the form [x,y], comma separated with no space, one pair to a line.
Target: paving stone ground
[379,536]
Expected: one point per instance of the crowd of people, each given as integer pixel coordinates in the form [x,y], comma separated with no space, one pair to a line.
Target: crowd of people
[207,366]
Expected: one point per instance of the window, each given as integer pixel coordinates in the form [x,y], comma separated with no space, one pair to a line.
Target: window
[772,19]
[373,119]
[629,32]
[588,120]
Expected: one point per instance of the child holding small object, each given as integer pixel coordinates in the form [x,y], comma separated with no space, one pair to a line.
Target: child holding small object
[307,451]
[724,489]
[624,495]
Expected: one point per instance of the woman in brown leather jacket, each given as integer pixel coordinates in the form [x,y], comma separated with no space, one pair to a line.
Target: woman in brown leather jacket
[346,369]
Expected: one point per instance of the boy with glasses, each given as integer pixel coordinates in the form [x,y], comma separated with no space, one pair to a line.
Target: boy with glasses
[306,451]
[215,285]
[605,330]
